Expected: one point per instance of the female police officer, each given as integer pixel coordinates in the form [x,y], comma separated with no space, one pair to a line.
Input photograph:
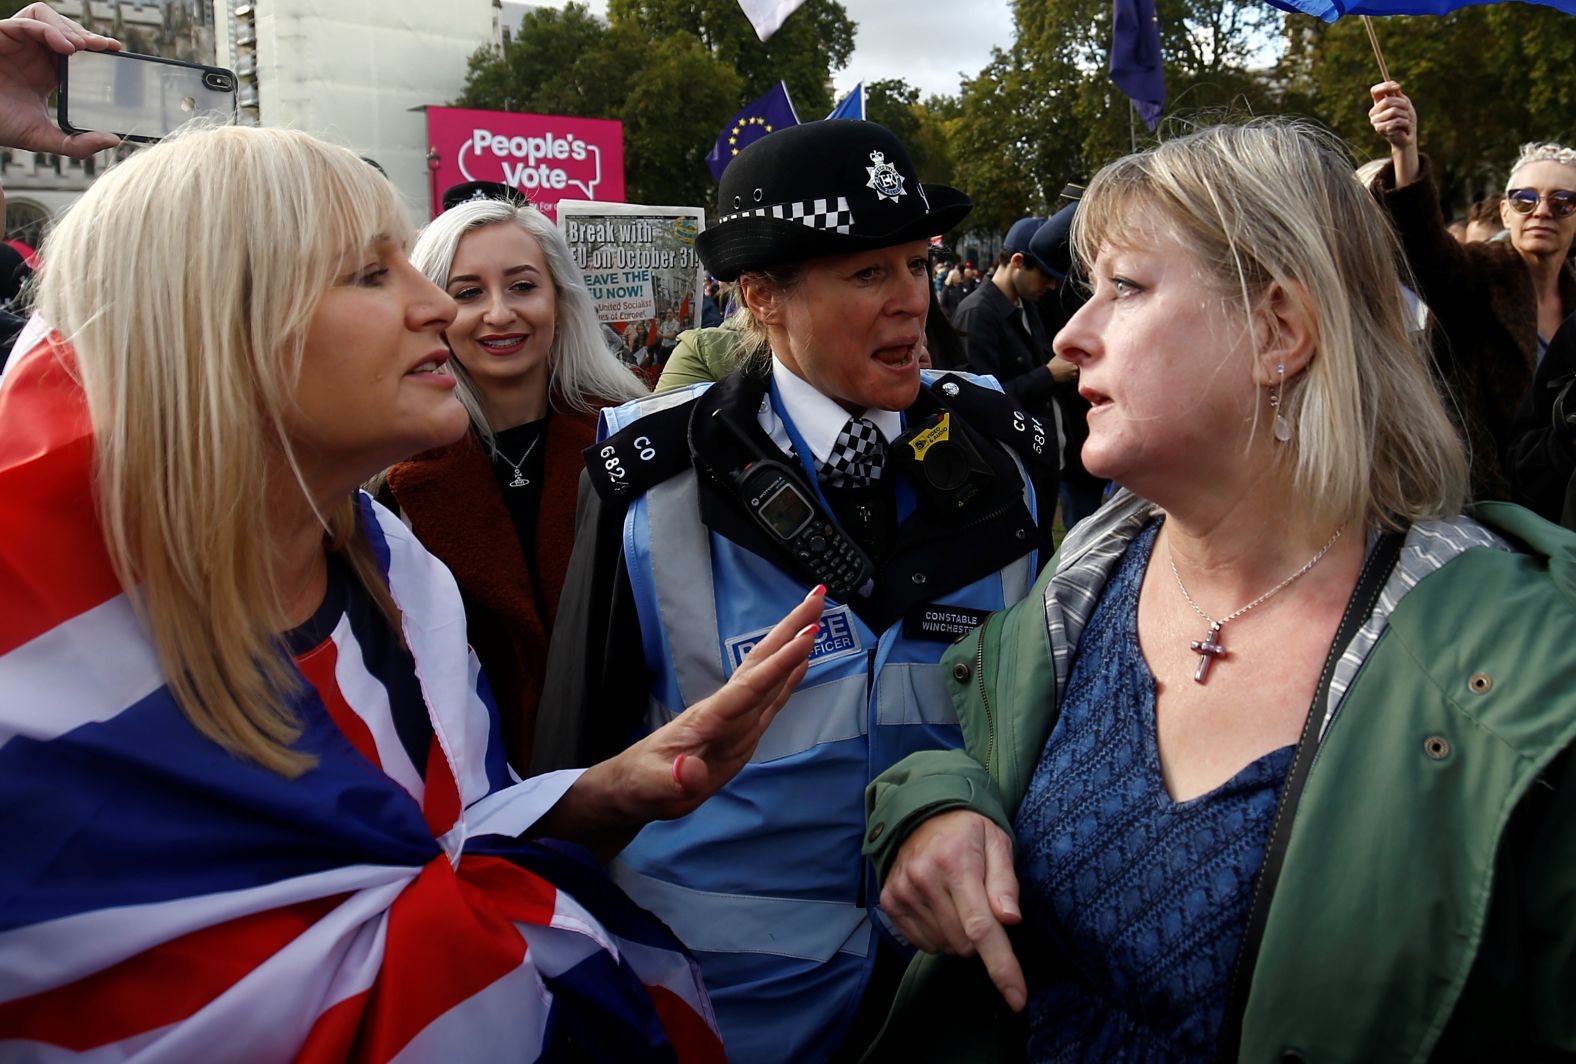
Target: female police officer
[824,459]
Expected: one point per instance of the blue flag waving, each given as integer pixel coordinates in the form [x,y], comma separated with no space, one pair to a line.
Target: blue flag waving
[1330,10]
[760,116]
[1135,57]
[852,105]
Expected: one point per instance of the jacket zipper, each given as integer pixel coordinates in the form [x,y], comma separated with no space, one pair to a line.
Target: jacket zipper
[990,718]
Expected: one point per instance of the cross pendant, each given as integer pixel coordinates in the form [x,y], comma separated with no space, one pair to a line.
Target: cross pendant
[1207,649]
[519,481]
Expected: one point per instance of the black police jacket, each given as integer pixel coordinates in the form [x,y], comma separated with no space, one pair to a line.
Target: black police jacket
[595,692]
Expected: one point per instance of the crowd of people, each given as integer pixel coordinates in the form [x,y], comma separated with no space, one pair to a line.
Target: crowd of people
[1131,652]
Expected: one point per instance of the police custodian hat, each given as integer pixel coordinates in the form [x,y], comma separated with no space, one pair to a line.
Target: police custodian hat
[822,188]
[472,191]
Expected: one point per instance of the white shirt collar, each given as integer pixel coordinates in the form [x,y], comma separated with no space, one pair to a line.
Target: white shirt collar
[818,419]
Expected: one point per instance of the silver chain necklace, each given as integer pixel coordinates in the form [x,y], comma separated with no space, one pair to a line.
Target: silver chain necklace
[1209,648]
[520,479]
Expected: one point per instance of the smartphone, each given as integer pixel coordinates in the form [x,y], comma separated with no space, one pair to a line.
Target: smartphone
[139,97]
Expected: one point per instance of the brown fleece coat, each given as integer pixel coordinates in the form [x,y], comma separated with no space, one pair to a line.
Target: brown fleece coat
[1485,334]
[453,503]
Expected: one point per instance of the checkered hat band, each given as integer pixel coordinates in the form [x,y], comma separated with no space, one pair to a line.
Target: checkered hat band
[832,216]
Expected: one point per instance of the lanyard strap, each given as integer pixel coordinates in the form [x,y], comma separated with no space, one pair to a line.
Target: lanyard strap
[801,449]
[906,500]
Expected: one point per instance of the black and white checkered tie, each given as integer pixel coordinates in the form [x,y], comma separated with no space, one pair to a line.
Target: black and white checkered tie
[857,457]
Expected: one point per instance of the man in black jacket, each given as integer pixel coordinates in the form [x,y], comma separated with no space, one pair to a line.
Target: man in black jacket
[1004,336]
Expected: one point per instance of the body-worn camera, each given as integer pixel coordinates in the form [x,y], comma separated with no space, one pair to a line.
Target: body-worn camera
[942,464]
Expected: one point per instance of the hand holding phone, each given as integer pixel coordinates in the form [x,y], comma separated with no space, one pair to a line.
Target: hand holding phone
[140,97]
[29,43]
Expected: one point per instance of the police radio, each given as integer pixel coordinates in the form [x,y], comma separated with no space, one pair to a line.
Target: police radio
[795,521]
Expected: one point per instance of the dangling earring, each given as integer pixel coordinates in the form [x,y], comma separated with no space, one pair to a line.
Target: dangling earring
[1282,423]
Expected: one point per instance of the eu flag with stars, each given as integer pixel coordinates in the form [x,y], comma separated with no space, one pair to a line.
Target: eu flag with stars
[760,116]
[1135,57]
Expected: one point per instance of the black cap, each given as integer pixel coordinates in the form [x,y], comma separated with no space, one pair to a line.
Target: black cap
[1050,244]
[470,191]
[822,188]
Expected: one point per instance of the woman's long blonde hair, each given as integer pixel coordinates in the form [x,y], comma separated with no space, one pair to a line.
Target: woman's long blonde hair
[1272,202]
[185,279]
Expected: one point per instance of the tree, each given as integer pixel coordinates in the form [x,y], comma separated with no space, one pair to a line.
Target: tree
[557,64]
[1484,79]
[814,41]
[1044,111]
[678,101]
[671,94]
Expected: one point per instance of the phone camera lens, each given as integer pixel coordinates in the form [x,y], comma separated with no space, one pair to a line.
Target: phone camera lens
[221,82]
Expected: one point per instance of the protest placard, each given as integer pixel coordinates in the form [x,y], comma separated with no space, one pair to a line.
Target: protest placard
[642,270]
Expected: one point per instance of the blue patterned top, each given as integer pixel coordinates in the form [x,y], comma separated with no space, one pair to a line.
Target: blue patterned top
[1133,903]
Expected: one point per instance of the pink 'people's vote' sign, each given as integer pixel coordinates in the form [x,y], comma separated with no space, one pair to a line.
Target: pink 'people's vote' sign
[547,157]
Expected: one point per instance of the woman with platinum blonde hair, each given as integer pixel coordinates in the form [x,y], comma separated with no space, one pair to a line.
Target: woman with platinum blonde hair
[1279,710]
[254,799]
[498,506]
[1497,304]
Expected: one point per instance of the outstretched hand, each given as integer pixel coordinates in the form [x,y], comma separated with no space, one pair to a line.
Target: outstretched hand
[29,42]
[678,766]
[951,889]
[691,758]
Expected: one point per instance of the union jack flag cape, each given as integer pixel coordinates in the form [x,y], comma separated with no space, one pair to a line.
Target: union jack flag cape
[164,900]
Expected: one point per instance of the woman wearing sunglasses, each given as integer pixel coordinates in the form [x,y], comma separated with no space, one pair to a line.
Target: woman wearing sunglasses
[1495,305]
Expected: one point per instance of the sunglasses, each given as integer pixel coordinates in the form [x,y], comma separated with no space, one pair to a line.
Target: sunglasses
[1525,201]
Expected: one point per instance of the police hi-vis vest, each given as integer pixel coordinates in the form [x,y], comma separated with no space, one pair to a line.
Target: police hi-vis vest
[765,882]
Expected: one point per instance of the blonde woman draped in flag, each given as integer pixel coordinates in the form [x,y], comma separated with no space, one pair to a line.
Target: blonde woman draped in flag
[253,798]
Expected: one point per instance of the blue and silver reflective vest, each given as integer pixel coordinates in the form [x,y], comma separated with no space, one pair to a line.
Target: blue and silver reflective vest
[765,881]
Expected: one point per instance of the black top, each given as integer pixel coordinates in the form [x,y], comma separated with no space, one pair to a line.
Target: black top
[10,329]
[517,462]
[1541,458]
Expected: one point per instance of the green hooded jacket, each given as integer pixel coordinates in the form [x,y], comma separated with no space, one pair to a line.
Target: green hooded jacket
[1426,909]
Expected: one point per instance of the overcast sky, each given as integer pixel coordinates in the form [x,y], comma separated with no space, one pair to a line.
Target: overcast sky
[924,42]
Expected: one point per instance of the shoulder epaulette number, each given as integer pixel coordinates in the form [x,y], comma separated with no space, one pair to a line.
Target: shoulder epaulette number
[998,415]
[642,455]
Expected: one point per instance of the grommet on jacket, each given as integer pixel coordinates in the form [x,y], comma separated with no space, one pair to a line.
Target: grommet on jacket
[1480,683]
[1436,747]
[960,673]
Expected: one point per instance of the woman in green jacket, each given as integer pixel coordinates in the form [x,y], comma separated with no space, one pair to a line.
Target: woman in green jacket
[1301,789]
